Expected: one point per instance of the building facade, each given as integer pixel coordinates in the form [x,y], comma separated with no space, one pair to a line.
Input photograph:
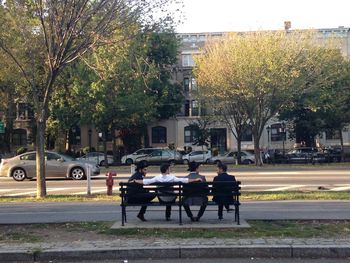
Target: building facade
[177,131]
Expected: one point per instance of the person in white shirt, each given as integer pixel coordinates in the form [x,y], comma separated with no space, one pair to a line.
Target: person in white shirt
[166,177]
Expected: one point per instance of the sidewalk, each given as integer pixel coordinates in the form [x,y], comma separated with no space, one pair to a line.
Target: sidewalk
[121,249]
[158,248]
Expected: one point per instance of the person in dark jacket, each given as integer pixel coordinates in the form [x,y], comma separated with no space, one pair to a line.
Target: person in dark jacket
[139,195]
[221,196]
[196,193]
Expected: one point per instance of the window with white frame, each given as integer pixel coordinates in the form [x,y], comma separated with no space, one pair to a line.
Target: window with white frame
[187,60]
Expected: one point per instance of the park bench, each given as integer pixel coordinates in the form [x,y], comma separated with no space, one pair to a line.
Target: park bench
[181,192]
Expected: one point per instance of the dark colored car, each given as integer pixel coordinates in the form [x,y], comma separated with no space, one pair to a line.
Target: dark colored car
[305,155]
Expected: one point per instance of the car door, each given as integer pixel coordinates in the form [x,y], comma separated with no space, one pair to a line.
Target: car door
[230,157]
[28,163]
[55,165]
[155,157]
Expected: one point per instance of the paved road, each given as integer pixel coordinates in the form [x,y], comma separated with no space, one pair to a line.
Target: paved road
[253,179]
[225,260]
[19,213]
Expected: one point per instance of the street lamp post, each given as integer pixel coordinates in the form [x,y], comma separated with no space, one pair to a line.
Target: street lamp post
[283,132]
[89,133]
[268,129]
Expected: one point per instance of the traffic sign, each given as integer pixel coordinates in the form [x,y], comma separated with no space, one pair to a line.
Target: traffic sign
[2,127]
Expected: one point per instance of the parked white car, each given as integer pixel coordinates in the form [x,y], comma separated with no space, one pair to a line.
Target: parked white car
[131,158]
[231,157]
[197,156]
[96,157]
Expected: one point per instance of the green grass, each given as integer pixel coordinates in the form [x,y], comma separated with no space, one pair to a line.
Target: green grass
[246,196]
[20,237]
[259,229]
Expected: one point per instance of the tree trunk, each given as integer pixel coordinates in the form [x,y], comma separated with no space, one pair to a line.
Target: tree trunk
[9,119]
[40,157]
[342,154]
[256,139]
[239,149]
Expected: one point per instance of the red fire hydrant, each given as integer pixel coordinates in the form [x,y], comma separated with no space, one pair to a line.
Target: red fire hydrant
[110,182]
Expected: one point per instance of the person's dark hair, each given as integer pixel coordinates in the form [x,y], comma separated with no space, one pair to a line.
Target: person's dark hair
[223,167]
[140,166]
[192,166]
[164,168]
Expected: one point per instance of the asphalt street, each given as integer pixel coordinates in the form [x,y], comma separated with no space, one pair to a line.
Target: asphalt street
[253,179]
[21,213]
[223,260]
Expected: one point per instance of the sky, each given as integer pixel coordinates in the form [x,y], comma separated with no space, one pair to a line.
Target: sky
[247,15]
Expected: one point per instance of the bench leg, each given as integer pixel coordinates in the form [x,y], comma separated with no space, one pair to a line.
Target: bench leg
[180,215]
[123,215]
[237,214]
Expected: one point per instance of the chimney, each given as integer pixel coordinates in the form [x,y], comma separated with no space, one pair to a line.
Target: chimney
[287,25]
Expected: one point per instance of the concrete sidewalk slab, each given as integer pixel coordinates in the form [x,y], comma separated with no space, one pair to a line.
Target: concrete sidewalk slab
[174,224]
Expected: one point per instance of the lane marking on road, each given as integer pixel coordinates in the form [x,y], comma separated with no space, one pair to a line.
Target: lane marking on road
[92,191]
[344,188]
[59,189]
[23,193]
[267,173]
[286,188]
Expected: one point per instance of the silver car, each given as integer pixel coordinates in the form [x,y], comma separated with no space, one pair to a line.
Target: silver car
[131,158]
[231,157]
[23,166]
[197,156]
[97,158]
[160,156]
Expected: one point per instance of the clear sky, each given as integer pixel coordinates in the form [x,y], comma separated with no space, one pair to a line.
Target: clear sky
[245,15]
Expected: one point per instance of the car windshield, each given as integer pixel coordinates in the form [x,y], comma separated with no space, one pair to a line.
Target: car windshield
[67,157]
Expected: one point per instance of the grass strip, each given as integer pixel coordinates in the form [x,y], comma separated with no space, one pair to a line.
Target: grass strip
[259,229]
[246,196]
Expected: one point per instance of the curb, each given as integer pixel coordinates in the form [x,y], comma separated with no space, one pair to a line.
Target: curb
[276,251]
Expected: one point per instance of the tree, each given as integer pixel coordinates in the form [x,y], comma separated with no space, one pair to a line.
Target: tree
[263,71]
[51,35]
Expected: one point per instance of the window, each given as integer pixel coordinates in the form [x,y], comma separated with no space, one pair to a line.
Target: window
[29,157]
[277,133]
[190,134]
[19,137]
[186,84]
[193,84]
[159,134]
[333,135]
[187,108]
[187,60]
[247,135]
[195,109]
[52,157]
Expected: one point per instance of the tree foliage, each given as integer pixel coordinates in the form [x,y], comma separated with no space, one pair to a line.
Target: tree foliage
[264,71]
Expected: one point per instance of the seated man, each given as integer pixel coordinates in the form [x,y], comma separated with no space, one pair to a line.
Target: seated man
[195,194]
[222,193]
[137,194]
[166,177]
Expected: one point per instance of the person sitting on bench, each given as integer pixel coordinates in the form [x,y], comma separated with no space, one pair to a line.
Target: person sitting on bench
[166,177]
[195,194]
[221,193]
[137,194]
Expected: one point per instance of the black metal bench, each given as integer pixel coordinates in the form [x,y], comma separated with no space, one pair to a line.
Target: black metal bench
[222,189]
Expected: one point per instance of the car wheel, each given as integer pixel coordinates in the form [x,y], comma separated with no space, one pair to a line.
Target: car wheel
[102,163]
[77,173]
[129,161]
[207,160]
[172,162]
[186,162]
[18,174]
